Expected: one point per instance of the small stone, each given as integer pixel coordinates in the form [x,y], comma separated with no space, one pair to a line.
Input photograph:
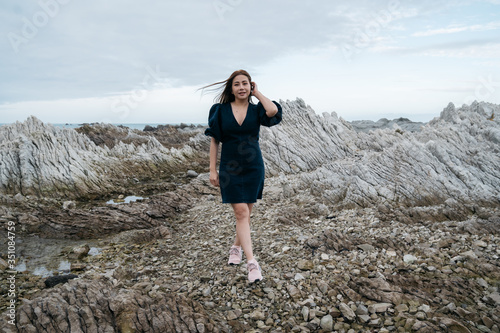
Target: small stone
[326,323]
[487,322]
[364,318]
[19,197]
[335,313]
[425,308]
[379,307]
[409,259]
[420,315]
[451,306]
[209,305]
[402,308]
[323,287]
[257,315]
[299,277]
[418,326]
[493,298]
[481,243]
[293,291]
[469,255]
[325,256]
[80,252]
[305,313]
[361,310]
[390,253]
[347,312]
[232,315]
[482,283]
[445,243]
[338,326]
[192,173]
[207,292]
[366,247]
[305,265]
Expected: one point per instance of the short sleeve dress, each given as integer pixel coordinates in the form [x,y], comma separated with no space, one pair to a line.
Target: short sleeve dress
[241,168]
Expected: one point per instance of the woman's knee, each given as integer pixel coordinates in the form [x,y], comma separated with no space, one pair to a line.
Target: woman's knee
[241,211]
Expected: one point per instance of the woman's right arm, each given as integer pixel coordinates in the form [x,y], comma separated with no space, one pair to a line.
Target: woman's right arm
[214,152]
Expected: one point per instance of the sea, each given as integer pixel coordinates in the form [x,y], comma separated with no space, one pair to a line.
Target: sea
[129,125]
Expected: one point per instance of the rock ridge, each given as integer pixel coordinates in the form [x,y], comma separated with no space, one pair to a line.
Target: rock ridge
[452,157]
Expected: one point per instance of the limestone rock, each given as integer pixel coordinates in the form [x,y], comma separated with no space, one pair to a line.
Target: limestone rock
[355,169]
[45,160]
[97,306]
[327,323]
[347,312]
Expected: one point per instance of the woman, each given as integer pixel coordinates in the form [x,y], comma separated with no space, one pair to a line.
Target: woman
[235,122]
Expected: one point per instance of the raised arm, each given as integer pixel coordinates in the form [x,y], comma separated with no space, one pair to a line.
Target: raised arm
[269,106]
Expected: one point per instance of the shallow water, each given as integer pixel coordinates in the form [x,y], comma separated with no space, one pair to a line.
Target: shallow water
[44,257]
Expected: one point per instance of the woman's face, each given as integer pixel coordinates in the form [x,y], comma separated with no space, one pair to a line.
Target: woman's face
[242,87]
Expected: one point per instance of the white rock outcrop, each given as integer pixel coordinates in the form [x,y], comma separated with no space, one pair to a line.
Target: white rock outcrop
[453,156]
[41,159]
[451,160]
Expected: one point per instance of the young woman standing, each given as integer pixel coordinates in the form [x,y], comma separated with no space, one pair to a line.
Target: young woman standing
[235,122]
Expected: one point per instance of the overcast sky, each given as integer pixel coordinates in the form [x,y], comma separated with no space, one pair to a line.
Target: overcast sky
[68,61]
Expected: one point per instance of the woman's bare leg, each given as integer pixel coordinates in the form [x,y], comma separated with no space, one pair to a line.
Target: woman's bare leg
[242,212]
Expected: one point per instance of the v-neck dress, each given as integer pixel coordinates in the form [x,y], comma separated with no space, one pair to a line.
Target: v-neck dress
[241,168]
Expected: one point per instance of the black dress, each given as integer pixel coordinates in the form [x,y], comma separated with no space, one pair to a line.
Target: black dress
[241,169]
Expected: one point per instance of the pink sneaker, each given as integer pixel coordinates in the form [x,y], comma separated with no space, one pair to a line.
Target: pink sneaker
[254,272]
[234,255]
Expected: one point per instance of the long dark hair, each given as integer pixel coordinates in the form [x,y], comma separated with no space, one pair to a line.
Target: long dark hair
[226,95]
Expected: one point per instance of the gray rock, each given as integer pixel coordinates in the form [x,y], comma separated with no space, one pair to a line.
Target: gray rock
[362,310]
[305,265]
[327,323]
[364,318]
[305,313]
[192,173]
[347,312]
[354,169]
[409,259]
[366,247]
[379,307]
[493,298]
[45,160]
[82,298]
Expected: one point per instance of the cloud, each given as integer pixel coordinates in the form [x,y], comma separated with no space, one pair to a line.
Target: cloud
[94,47]
[456,28]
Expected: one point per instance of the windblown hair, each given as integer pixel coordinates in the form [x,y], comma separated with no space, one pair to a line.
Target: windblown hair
[225,87]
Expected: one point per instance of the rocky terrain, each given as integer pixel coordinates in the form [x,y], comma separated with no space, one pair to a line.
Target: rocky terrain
[404,123]
[381,231]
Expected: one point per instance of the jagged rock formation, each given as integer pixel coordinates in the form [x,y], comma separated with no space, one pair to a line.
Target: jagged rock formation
[44,160]
[95,306]
[404,123]
[348,268]
[453,157]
